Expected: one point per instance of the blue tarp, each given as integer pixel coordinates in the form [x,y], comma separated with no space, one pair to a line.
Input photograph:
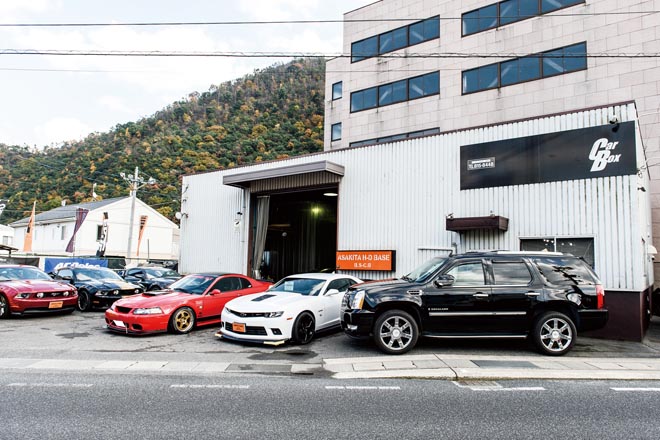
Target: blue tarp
[51,264]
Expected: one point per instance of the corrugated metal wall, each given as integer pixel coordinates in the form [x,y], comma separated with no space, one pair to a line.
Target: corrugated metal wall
[397,196]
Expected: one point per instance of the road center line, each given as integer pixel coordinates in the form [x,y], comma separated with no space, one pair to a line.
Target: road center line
[225,387]
[636,389]
[348,387]
[50,385]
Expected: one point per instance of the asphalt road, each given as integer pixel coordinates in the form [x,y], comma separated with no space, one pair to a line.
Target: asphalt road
[101,406]
[83,336]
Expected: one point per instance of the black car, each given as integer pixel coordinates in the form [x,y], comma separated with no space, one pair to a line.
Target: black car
[98,287]
[151,278]
[546,296]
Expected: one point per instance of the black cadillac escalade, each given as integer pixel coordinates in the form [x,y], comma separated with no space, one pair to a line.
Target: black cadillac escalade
[546,296]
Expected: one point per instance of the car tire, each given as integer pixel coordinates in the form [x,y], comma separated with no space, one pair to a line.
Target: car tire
[395,332]
[4,307]
[554,333]
[84,301]
[303,329]
[182,320]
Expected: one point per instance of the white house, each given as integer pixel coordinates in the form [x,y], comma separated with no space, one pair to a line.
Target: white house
[53,229]
[6,235]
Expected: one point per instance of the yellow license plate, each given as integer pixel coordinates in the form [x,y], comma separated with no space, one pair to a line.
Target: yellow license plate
[55,305]
[238,328]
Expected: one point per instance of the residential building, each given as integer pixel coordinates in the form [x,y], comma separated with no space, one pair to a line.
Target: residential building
[53,229]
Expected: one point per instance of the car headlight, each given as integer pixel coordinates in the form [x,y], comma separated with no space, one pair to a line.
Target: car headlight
[273,314]
[113,307]
[23,295]
[148,311]
[40,295]
[358,300]
[137,291]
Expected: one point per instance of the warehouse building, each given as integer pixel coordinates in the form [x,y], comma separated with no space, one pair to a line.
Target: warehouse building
[524,142]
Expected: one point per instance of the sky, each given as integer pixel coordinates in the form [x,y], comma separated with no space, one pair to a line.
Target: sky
[46,100]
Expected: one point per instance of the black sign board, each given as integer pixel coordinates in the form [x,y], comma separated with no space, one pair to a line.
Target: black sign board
[585,153]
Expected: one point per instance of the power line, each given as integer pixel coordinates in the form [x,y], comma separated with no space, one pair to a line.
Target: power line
[219,54]
[287,22]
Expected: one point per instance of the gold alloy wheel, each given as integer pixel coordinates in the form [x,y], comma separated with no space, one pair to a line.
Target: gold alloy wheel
[183,320]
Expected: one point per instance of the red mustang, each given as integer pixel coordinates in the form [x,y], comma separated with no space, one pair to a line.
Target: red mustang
[26,289]
[196,299]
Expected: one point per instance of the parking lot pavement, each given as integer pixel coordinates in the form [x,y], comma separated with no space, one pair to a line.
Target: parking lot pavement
[80,342]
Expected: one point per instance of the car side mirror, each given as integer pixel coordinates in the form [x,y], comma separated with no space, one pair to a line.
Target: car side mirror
[215,292]
[444,281]
[66,278]
[331,292]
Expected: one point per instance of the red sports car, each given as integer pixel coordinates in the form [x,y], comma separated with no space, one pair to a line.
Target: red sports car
[196,299]
[27,289]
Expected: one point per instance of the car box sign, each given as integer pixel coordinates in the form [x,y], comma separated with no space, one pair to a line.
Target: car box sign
[585,153]
[366,260]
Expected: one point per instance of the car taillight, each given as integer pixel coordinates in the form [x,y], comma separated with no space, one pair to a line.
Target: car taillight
[600,296]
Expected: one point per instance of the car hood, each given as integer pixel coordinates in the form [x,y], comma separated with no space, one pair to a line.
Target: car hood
[111,284]
[29,286]
[379,287]
[268,302]
[155,299]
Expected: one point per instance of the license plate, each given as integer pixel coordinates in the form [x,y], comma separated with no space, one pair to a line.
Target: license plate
[120,324]
[55,305]
[238,328]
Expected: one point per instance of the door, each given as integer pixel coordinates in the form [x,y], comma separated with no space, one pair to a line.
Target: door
[331,302]
[513,295]
[462,307]
[229,287]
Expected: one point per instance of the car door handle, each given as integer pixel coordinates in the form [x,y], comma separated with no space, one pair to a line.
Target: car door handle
[533,294]
[480,295]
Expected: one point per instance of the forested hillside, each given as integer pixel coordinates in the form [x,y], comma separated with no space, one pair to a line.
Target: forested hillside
[273,113]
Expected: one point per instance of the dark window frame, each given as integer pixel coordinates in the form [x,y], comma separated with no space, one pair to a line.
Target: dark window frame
[391,84]
[332,132]
[499,24]
[341,90]
[540,56]
[396,137]
[392,32]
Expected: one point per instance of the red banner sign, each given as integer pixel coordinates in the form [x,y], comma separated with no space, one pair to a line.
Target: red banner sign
[366,260]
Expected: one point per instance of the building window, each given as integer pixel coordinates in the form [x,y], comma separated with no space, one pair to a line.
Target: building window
[579,247]
[542,65]
[396,39]
[509,11]
[396,137]
[99,232]
[63,234]
[336,90]
[336,132]
[399,91]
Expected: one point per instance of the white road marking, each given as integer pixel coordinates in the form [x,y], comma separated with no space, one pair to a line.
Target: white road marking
[636,389]
[224,387]
[348,387]
[494,386]
[51,385]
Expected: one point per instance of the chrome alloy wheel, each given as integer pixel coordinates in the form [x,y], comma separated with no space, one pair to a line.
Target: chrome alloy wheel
[396,333]
[4,308]
[556,334]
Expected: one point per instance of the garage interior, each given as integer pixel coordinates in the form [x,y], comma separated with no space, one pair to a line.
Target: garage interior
[301,235]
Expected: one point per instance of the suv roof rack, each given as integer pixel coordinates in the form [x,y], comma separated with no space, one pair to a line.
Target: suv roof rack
[507,252]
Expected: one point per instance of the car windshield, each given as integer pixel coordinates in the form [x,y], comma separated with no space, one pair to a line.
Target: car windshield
[302,286]
[22,273]
[88,274]
[161,273]
[427,269]
[193,284]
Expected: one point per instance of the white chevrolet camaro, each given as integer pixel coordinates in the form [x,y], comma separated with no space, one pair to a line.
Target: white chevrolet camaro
[293,309]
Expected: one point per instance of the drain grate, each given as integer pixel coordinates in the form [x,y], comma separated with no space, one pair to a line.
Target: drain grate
[504,364]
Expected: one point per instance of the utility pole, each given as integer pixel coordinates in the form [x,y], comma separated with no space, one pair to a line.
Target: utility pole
[135,182]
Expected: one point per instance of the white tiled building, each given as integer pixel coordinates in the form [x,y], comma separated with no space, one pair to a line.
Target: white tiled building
[482,30]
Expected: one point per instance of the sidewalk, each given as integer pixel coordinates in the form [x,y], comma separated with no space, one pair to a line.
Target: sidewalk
[636,362]
[593,359]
